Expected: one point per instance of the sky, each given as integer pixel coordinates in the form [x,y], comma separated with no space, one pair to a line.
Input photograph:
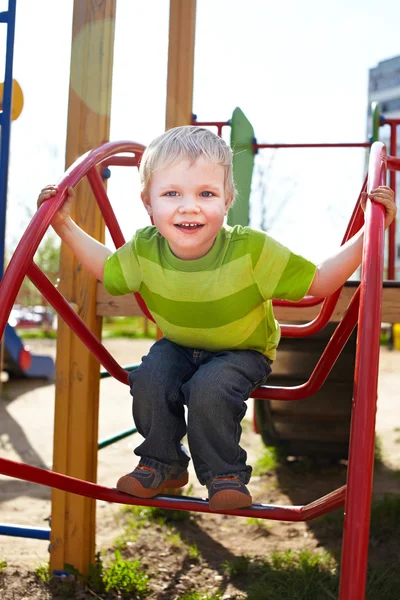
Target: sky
[298,70]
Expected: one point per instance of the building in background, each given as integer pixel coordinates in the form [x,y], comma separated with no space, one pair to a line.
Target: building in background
[384,87]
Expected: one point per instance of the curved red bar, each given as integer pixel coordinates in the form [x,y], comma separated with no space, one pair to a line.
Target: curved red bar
[92,490]
[323,366]
[362,435]
[23,255]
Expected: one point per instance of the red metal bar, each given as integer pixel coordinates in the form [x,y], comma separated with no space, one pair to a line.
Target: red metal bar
[391,270]
[218,124]
[65,311]
[317,145]
[391,121]
[393,163]
[23,255]
[361,452]
[123,161]
[323,366]
[66,483]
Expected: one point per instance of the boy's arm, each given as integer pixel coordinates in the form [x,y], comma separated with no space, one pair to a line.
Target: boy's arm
[88,251]
[335,271]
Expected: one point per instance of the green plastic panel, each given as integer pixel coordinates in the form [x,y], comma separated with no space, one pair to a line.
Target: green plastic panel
[376,121]
[242,136]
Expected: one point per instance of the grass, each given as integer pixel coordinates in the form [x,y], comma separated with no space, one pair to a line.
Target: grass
[128,327]
[268,461]
[385,520]
[43,572]
[286,575]
[305,575]
[122,579]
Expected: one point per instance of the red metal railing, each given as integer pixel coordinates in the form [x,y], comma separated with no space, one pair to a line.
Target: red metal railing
[359,488]
[391,269]
[361,452]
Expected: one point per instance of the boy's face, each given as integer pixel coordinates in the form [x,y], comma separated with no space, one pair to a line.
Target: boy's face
[188,204]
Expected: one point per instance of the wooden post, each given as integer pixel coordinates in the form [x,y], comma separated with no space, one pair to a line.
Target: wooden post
[182,25]
[182,28]
[77,372]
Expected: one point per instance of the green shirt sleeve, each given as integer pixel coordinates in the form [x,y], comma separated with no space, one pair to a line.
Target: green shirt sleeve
[122,273]
[279,272]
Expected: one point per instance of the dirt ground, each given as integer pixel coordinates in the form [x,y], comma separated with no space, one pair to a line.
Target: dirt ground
[26,423]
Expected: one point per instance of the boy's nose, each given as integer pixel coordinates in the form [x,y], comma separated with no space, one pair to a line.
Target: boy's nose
[189,204]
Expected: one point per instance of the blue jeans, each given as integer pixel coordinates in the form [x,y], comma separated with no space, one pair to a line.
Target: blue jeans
[214,386]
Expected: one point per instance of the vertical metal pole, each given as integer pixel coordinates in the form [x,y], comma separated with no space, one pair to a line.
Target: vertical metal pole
[392,229]
[361,451]
[8,18]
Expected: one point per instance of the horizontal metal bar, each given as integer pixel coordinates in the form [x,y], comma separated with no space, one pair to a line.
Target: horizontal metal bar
[345,145]
[37,533]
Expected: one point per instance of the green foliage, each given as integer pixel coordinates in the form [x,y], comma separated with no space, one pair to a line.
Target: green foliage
[128,327]
[200,596]
[193,551]
[267,462]
[287,576]
[47,256]
[43,572]
[385,519]
[126,577]
[261,526]
[38,335]
[3,564]
[122,577]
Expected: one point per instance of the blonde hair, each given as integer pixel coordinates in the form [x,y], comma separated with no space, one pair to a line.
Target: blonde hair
[186,143]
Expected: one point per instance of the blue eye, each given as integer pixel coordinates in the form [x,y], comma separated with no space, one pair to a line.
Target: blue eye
[171,194]
[206,194]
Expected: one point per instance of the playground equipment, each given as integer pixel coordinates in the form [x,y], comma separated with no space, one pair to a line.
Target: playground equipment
[77,398]
[319,426]
[17,358]
[365,305]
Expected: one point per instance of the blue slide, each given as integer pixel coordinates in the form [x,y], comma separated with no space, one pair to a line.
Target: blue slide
[19,362]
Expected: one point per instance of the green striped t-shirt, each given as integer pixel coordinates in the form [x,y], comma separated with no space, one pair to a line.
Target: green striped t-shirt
[220,301]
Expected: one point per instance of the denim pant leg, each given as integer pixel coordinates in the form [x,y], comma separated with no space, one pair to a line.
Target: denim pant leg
[158,404]
[216,398]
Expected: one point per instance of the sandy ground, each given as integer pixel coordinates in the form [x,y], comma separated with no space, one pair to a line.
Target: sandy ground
[26,434]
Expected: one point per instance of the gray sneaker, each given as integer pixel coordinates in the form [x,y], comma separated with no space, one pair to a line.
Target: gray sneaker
[146,482]
[227,493]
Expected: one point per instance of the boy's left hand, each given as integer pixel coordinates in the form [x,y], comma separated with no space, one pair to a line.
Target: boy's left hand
[384,195]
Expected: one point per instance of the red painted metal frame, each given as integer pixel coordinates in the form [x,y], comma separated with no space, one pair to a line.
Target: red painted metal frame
[218,124]
[391,268]
[40,476]
[361,452]
[316,145]
[359,488]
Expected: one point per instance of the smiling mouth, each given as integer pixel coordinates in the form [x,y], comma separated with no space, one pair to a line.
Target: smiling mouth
[189,226]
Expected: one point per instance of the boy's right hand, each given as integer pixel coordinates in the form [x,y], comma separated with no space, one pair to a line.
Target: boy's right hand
[62,215]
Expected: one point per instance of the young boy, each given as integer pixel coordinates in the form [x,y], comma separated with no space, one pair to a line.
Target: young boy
[210,289]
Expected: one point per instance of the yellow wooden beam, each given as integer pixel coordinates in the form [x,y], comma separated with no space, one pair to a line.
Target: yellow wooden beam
[126,306]
[182,25]
[77,372]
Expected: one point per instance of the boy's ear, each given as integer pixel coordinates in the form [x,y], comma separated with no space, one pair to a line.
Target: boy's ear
[228,203]
[146,203]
